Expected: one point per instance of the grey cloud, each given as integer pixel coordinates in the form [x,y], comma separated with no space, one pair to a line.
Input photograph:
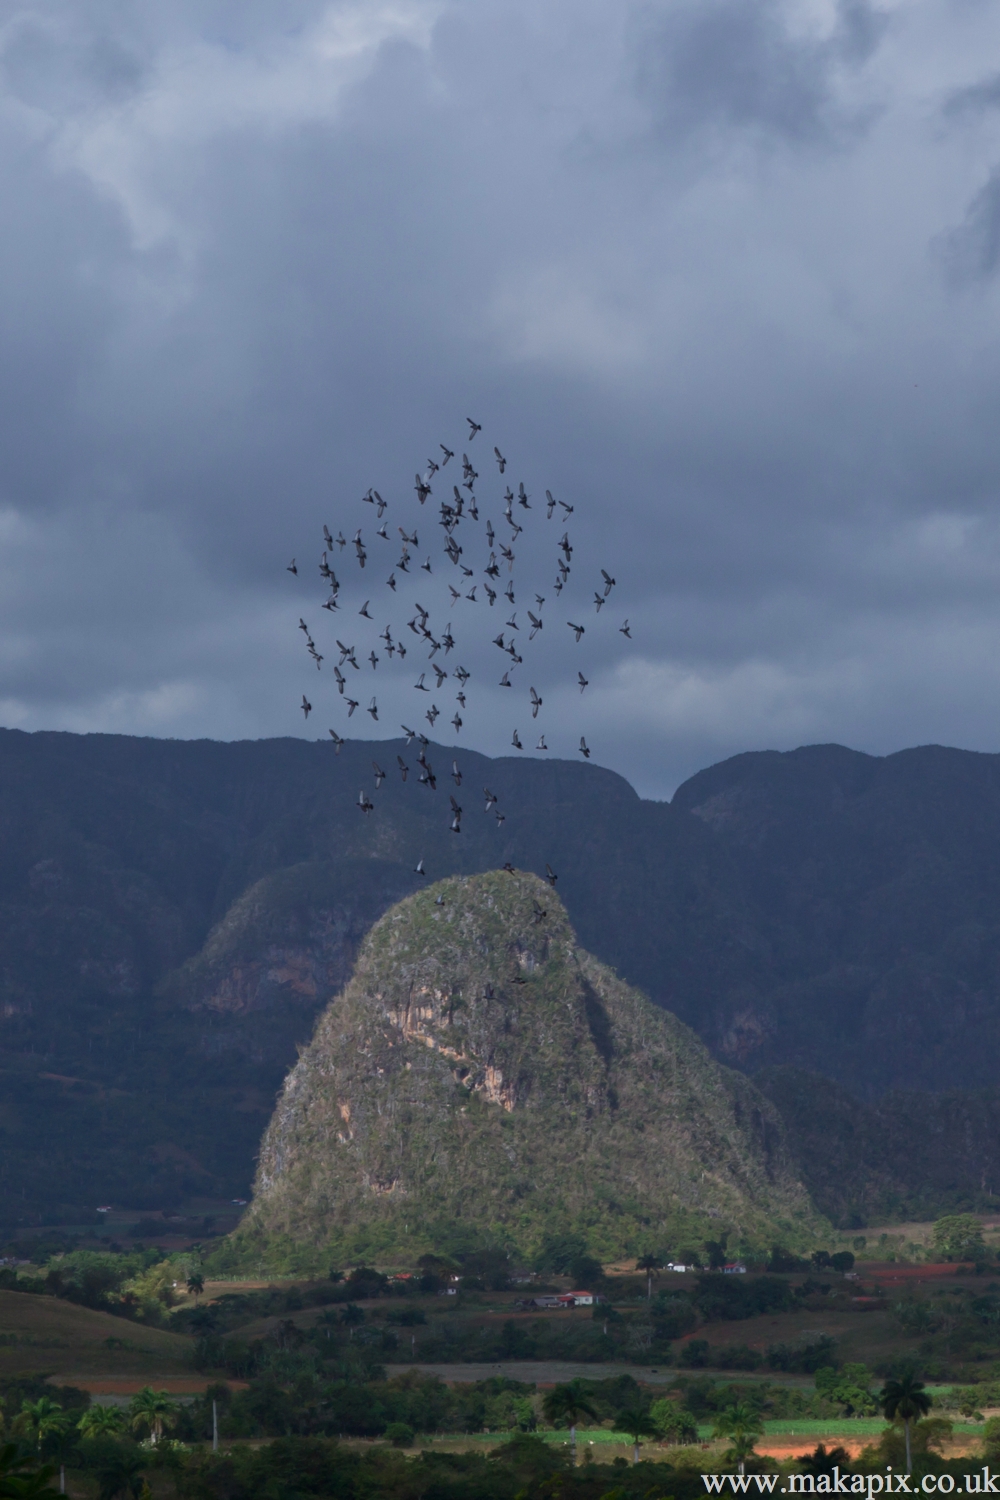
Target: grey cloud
[971,251]
[974,99]
[743,67]
[249,267]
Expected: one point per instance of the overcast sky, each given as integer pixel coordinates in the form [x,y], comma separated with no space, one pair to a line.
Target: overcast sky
[722,274]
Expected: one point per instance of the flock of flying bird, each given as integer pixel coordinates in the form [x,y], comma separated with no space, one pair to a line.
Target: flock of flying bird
[459,515]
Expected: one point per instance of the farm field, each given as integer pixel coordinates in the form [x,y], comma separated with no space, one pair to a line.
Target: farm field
[76,1344]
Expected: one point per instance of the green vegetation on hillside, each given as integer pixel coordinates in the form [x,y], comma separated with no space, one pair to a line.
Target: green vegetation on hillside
[482,1081]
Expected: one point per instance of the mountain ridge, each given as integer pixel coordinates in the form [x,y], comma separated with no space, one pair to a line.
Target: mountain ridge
[176,914]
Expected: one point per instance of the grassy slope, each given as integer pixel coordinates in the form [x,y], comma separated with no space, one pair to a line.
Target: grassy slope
[43,1334]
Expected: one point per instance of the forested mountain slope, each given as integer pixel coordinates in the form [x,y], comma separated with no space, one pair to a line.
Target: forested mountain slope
[482,1080]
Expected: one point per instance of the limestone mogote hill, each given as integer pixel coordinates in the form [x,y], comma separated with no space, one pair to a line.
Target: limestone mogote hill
[482,1079]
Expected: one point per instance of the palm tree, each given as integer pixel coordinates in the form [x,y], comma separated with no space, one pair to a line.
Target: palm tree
[20,1479]
[650,1264]
[196,1284]
[638,1424]
[152,1410]
[101,1421]
[568,1403]
[42,1419]
[744,1425]
[904,1399]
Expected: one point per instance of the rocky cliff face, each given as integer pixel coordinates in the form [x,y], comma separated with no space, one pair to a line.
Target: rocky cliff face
[483,1079]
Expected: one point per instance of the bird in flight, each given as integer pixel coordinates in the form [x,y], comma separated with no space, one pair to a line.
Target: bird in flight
[379,774]
[541,743]
[577,628]
[550,507]
[474,427]
[456,774]
[337,741]
[624,630]
[609,582]
[583,748]
[598,602]
[410,734]
[550,875]
[505,680]
[365,803]
[522,496]
[419,868]
[536,704]
[457,721]
[432,714]
[306,706]
[352,704]
[583,681]
[516,742]
[490,799]
[448,453]
[363,611]
[501,461]
[292,568]
[536,625]
[421,685]
[403,767]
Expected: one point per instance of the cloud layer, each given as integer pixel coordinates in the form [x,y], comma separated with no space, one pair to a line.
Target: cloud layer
[723,275]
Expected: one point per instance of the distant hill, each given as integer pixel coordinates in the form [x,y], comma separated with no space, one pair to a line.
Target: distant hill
[483,1080]
[175,915]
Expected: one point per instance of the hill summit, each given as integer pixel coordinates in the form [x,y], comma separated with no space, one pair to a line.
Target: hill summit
[483,1081]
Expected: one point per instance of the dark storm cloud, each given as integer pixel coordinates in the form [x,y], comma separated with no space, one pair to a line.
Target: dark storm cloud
[685,263]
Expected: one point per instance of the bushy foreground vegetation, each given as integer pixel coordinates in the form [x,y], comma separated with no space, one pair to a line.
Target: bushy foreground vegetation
[299,1430]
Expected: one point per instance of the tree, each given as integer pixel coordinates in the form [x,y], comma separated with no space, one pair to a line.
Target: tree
[843,1262]
[40,1419]
[716,1252]
[902,1400]
[650,1264]
[819,1461]
[673,1422]
[959,1237]
[638,1424]
[101,1421]
[21,1478]
[568,1403]
[196,1284]
[744,1425]
[152,1411]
